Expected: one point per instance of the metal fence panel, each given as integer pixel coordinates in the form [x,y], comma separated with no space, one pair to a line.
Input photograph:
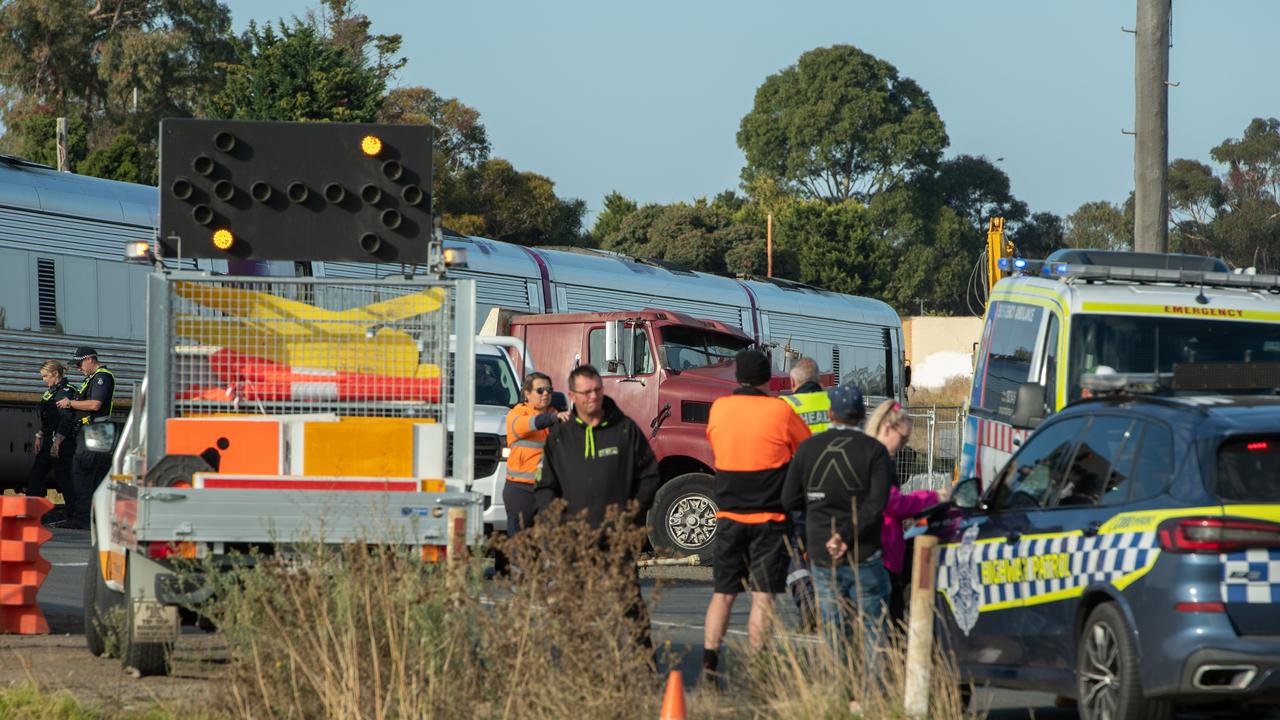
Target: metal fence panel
[929,459]
[307,345]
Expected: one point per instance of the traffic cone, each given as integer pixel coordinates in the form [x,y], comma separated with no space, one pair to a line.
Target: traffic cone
[673,700]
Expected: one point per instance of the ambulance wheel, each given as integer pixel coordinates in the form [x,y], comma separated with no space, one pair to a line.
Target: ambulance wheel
[683,518]
[1107,672]
[102,607]
[144,658]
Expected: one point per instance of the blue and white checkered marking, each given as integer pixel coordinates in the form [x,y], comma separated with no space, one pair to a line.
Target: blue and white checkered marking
[1251,576]
[1102,558]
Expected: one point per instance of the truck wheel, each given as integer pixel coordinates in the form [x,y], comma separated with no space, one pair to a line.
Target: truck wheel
[103,608]
[683,518]
[145,658]
[1107,672]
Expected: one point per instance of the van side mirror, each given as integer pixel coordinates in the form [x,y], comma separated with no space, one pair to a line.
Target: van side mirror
[906,376]
[1029,408]
[967,493]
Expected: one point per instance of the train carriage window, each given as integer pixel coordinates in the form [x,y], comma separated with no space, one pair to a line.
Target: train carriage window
[1009,340]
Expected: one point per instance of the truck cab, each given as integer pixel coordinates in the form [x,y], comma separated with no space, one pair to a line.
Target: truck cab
[664,369]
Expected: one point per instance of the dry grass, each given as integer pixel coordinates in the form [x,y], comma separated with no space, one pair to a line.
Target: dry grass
[373,632]
[952,394]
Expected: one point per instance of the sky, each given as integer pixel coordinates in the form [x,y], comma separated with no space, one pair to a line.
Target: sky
[646,97]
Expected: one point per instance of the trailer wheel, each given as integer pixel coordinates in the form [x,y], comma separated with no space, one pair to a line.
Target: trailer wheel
[102,610]
[144,658]
[683,518]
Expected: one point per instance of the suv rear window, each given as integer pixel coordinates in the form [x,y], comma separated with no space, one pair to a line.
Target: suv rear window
[1249,470]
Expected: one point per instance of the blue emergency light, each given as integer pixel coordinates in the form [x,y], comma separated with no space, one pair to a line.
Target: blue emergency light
[1010,264]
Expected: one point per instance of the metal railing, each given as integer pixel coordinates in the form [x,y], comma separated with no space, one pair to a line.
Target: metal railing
[929,459]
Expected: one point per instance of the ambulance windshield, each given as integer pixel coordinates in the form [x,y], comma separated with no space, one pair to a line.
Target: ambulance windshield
[1132,344]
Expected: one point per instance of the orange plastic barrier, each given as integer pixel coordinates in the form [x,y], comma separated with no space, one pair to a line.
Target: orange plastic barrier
[22,570]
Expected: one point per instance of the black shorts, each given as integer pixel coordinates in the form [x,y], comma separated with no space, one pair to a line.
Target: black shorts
[750,550]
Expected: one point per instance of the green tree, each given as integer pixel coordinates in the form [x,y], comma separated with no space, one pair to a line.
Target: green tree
[497,201]
[121,160]
[840,124]
[1098,225]
[1253,161]
[1196,196]
[977,191]
[116,68]
[617,208]
[1040,234]
[291,72]
[461,140]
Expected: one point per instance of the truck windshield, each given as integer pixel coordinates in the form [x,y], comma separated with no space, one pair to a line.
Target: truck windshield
[1129,344]
[685,348]
[495,384]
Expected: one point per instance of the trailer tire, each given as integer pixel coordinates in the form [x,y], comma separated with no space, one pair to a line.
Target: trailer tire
[101,606]
[144,658]
[683,518]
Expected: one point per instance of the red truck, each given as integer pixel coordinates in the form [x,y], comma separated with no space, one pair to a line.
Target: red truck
[663,369]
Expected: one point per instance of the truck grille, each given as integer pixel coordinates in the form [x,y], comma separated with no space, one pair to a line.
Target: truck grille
[488,453]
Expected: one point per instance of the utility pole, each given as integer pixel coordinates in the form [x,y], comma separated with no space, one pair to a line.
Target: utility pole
[62,145]
[1151,126]
[768,247]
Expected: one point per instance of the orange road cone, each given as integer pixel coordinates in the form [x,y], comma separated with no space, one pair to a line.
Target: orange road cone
[673,700]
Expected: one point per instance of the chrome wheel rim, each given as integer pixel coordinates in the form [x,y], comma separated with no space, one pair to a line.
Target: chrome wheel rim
[691,521]
[1100,673]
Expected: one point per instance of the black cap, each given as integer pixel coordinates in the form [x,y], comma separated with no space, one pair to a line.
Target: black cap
[751,367]
[83,352]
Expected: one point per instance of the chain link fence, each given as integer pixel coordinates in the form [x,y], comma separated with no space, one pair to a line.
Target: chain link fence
[929,459]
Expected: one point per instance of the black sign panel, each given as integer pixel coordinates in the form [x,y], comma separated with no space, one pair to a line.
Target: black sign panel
[295,191]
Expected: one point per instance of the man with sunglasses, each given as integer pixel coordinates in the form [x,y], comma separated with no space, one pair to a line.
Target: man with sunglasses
[597,459]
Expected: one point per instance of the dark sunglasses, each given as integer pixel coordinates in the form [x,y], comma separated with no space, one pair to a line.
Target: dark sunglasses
[540,391]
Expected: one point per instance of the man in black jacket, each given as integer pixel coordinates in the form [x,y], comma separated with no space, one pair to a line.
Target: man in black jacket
[596,459]
[833,475]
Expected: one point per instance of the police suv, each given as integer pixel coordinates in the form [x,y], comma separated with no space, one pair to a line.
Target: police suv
[1128,554]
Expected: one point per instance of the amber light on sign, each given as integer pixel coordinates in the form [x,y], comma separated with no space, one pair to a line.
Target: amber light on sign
[223,239]
[371,145]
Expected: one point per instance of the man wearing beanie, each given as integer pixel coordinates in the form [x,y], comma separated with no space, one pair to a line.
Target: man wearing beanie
[753,436]
[840,480]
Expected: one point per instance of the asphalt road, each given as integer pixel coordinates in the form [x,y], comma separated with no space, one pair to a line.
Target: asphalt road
[677,619]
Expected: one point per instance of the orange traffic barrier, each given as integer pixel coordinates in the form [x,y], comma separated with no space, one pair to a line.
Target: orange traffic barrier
[22,570]
[673,700]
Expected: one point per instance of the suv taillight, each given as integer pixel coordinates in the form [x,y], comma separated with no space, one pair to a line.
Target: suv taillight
[1216,535]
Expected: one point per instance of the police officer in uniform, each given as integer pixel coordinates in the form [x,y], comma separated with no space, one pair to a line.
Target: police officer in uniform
[53,444]
[93,404]
[810,401]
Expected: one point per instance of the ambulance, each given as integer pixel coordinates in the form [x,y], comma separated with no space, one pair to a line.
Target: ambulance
[1089,311]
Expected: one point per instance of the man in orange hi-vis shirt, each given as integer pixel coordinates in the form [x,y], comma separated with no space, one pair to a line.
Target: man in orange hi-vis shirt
[753,436]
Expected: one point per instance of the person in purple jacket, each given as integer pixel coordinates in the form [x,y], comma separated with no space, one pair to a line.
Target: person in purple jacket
[891,425]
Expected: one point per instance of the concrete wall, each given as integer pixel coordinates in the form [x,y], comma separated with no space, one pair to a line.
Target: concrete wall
[929,334]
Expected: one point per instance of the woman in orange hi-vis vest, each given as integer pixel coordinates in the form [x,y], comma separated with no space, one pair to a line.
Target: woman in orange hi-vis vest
[527,426]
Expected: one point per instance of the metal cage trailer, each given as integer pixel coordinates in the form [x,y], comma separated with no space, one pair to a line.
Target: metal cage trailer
[278,413]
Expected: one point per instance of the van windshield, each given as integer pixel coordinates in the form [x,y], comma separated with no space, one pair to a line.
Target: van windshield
[1129,344]
[494,383]
[685,348]
[1248,470]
